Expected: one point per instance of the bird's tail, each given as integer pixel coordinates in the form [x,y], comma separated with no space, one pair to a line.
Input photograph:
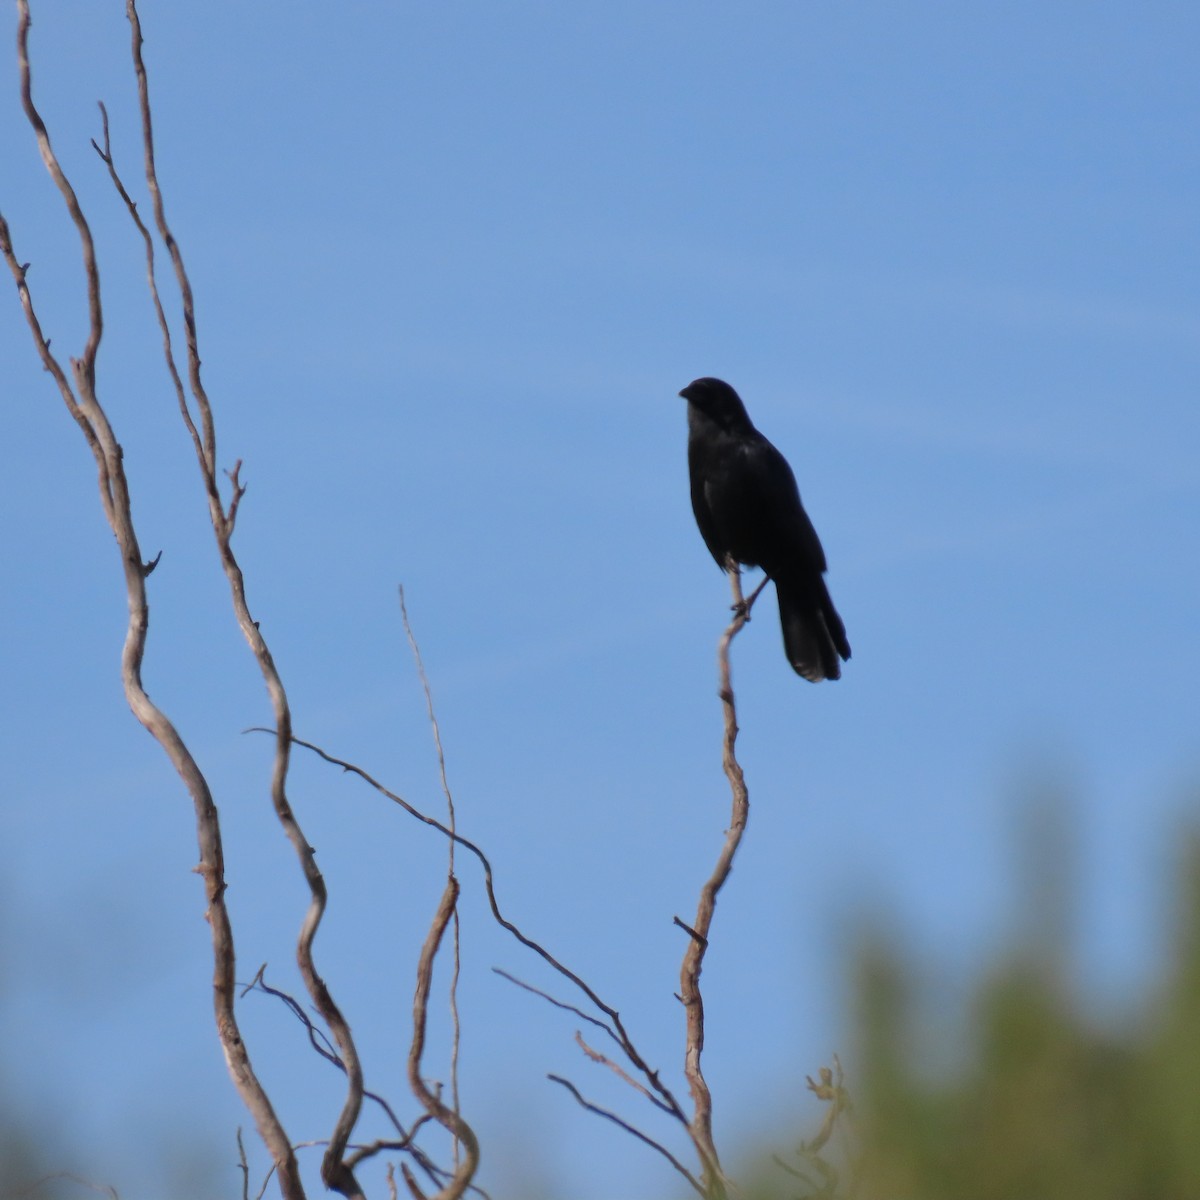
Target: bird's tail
[813,634]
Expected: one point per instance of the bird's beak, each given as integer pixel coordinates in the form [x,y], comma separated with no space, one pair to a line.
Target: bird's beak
[684,394]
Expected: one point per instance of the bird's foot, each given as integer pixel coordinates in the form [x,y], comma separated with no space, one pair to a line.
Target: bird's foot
[740,608]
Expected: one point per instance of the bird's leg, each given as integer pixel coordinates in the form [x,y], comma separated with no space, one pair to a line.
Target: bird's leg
[748,603]
[740,606]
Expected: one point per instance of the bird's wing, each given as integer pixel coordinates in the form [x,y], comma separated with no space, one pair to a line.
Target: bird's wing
[701,508]
[700,469]
[759,486]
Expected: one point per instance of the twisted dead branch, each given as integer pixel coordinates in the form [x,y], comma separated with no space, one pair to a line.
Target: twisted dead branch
[456,968]
[821,1179]
[405,1139]
[84,406]
[713,1183]
[337,1169]
[632,1130]
[700,1126]
[614,1026]
[335,1172]
[82,402]
[448,1117]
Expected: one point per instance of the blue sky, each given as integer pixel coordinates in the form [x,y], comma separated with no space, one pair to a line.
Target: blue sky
[452,264]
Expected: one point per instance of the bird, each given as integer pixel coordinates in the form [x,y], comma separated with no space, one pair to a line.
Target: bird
[748,508]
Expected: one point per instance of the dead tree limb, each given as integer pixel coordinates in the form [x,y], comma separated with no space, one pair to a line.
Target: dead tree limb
[451,822]
[79,395]
[450,1120]
[335,1172]
[617,1030]
[405,1139]
[700,1126]
[621,1123]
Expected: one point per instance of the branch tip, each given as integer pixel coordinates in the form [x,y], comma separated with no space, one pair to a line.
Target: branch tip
[699,937]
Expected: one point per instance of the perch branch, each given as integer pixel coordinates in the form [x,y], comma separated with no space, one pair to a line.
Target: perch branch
[700,1126]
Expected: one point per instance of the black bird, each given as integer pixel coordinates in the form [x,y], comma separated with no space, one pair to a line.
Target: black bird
[748,508]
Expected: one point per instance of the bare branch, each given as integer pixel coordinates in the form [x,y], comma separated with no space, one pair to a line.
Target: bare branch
[832,1090]
[317,1037]
[455,1024]
[91,269]
[631,1129]
[819,1175]
[617,1070]
[623,1039]
[325,1048]
[560,1004]
[103,1188]
[334,1171]
[700,1126]
[360,1153]
[825,1189]
[207,445]
[243,1165]
[381,1145]
[691,932]
[410,1181]
[262,1191]
[85,409]
[433,721]
[451,1120]
[106,157]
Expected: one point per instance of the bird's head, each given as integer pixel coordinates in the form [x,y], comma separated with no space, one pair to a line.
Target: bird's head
[717,401]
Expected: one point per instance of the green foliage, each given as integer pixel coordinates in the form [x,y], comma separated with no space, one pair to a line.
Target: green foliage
[1039,1102]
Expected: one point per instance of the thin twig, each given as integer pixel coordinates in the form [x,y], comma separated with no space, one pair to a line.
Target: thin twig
[448,1118]
[829,1086]
[243,1165]
[410,1181]
[433,721]
[832,1090]
[456,965]
[317,1037]
[325,1048]
[631,1129]
[571,1008]
[617,1070]
[103,1188]
[381,1145]
[690,931]
[622,1036]
[359,1153]
[262,1191]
